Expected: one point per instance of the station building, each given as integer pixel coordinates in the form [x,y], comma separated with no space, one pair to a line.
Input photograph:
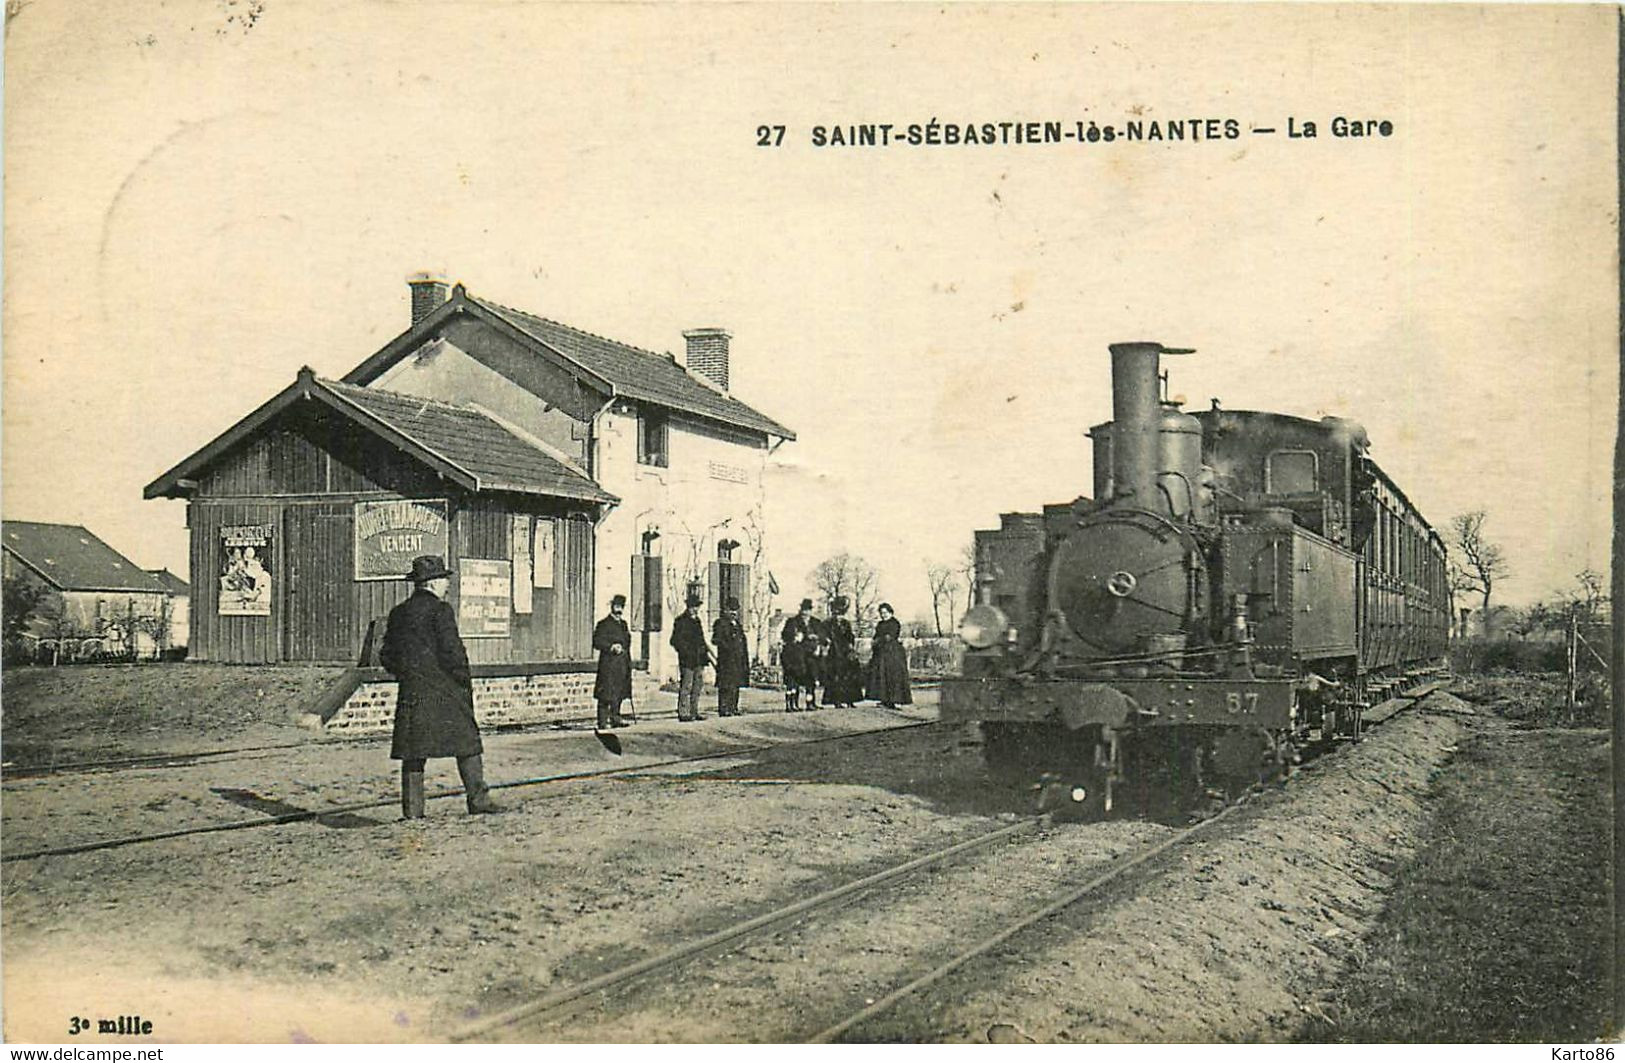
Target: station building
[552,467]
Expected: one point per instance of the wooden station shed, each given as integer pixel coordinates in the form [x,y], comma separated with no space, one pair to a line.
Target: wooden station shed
[306,514]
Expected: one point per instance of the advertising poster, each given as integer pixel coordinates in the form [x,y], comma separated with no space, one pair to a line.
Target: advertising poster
[484,601]
[542,556]
[520,538]
[389,534]
[245,569]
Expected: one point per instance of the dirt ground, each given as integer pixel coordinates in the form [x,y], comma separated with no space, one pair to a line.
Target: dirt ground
[87,712]
[360,928]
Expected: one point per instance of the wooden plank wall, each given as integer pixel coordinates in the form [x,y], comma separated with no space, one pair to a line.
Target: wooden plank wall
[234,639]
[303,476]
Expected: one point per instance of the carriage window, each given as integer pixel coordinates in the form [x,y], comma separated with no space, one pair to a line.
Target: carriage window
[1291,472]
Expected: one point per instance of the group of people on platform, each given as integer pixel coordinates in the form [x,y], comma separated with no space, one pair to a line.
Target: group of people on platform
[815,654]
[434,706]
[822,655]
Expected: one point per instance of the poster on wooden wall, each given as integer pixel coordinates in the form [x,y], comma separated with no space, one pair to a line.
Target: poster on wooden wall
[484,598]
[542,555]
[245,569]
[520,538]
[389,534]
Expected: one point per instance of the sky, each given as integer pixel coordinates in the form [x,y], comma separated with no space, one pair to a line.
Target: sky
[202,196]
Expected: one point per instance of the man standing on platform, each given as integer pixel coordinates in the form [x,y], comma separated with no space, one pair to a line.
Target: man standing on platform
[733,658]
[613,641]
[434,708]
[693,654]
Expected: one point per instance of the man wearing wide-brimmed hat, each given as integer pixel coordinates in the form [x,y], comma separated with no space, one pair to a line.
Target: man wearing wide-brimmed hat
[733,658]
[434,709]
[799,659]
[693,654]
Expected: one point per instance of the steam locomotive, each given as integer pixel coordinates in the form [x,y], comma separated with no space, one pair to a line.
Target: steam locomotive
[1243,585]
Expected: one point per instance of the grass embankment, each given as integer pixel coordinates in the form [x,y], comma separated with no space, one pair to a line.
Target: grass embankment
[101,711]
[1500,929]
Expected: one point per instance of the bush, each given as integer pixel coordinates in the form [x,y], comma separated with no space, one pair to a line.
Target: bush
[1508,655]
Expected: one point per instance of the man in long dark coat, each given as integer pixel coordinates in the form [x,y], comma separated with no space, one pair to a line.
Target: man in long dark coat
[434,709]
[733,658]
[797,658]
[693,654]
[613,641]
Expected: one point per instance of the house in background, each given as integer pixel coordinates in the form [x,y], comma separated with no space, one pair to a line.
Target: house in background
[97,601]
[180,606]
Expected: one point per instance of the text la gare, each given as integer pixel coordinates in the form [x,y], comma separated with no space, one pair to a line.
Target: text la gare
[1303,128]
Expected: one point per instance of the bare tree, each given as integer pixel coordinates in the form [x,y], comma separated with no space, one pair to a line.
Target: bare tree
[1593,596]
[966,571]
[1476,564]
[762,584]
[854,577]
[944,582]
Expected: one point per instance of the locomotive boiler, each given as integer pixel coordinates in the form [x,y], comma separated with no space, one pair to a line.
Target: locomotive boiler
[1241,584]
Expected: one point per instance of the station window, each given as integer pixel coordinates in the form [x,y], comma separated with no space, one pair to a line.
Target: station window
[1291,472]
[654,437]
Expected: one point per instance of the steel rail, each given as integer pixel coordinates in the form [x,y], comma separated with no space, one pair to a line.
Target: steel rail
[143,760]
[1067,900]
[305,816]
[788,913]
[992,942]
[774,918]
[20,772]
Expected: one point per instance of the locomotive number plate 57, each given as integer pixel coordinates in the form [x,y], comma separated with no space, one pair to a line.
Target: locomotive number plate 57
[1238,700]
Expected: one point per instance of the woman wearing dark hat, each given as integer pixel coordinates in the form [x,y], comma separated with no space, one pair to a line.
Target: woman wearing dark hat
[888,666]
[843,682]
[613,641]
[796,658]
[434,708]
[733,658]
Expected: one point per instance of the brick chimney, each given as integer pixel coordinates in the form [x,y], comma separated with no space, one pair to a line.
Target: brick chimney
[428,292]
[708,354]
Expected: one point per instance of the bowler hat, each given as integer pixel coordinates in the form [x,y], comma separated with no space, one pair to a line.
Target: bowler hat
[732,605]
[619,599]
[806,604]
[428,567]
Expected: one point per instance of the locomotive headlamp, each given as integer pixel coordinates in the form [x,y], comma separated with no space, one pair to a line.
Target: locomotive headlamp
[983,626]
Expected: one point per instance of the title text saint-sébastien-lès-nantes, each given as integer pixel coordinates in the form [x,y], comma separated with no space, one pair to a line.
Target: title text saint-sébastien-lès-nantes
[938,133]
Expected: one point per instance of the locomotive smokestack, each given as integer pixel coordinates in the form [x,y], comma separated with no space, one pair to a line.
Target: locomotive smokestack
[1136,407]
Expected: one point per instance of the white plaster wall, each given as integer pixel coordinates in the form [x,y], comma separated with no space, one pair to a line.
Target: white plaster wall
[692,508]
[446,373]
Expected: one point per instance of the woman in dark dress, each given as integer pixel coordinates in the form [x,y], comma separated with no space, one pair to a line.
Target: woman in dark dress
[888,666]
[843,678]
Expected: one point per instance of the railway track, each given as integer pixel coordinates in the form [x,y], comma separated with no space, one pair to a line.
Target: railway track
[10,772]
[312,815]
[16,773]
[837,898]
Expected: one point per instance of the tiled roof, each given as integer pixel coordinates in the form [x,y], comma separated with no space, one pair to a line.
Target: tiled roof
[72,559]
[169,581]
[637,373]
[472,441]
